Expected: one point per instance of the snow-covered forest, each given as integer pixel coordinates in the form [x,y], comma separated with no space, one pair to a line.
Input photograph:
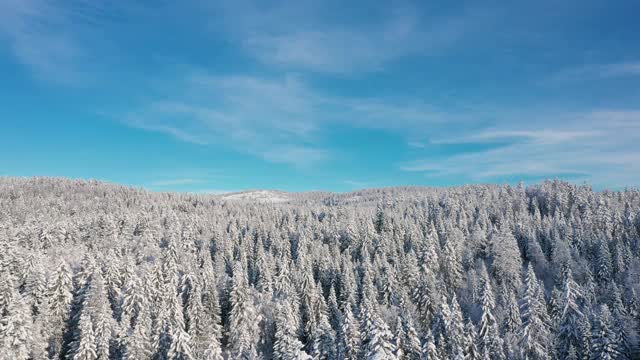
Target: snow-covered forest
[99,271]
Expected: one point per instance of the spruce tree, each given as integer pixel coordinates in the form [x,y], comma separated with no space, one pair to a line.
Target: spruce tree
[606,342]
[570,315]
[471,350]
[488,336]
[83,346]
[350,346]
[242,330]
[533,334]
[138,340]
[377,341]
[287,346]
[16,333]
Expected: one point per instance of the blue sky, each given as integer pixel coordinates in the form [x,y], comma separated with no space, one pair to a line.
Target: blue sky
[213,96]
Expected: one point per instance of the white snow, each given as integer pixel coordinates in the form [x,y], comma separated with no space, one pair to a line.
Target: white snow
[261,196]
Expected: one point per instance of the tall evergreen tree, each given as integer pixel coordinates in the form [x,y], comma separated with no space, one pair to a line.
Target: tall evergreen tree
[84,342]
[471,350]
[606,342]
[377,341]
[570,315]
[488,336]
[287,346]
[16,334]
[350,346]
[242,330]
[533,334]
[59,303]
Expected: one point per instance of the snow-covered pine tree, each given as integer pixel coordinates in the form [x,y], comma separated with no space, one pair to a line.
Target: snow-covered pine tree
[242,331]
[605,342]
[451,266]
[138,340]
[324,341]
[133,299]
[349,347]
[570,315]
[505,257]
[377,343]
[407,340]
[287,346]
[491,344]
[83,346]
[16,335]
[533,334]
[180,345]
[429,348]
[96,304]
[511,323]
[59,299]
[471,351]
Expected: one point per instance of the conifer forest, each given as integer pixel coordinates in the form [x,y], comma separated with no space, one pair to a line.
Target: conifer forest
[91,270]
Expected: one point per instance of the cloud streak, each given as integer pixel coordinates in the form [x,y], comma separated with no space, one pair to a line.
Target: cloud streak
[605,154]
[283,120]
[274,119]
[305,37]
[174,182]
[38,34]
[592,72]
[280,119]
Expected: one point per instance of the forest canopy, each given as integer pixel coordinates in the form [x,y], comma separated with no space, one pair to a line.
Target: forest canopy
[90,270]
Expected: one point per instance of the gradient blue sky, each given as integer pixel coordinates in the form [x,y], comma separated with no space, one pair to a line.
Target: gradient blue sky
[307,95]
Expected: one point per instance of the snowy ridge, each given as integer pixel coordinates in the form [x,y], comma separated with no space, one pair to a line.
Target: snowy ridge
[262,196]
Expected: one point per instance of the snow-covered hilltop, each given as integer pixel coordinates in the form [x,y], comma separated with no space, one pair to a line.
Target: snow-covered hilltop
[100,271]
[266,196]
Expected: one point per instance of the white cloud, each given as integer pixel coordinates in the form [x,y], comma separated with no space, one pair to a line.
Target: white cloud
[38,36]
[174,182]
[296,155]
[622,69]
[597,72]
[355,184]
[274,119]
[606,153]
[279,119]
[213,191]
[310,35]
[416,144]
[184,179]
[142,123]
[67,42]
[544,136]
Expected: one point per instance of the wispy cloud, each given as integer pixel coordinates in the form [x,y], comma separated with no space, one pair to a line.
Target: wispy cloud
[279,119]
[597,72]
[296,155]
[309,36]
[207,191]
[605,154]
[39,37]
[66,42]
[622,69]
[272,118]
[174,182]
[540,136]
[140,122]
[355,184]
[416,144]
[184,179]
